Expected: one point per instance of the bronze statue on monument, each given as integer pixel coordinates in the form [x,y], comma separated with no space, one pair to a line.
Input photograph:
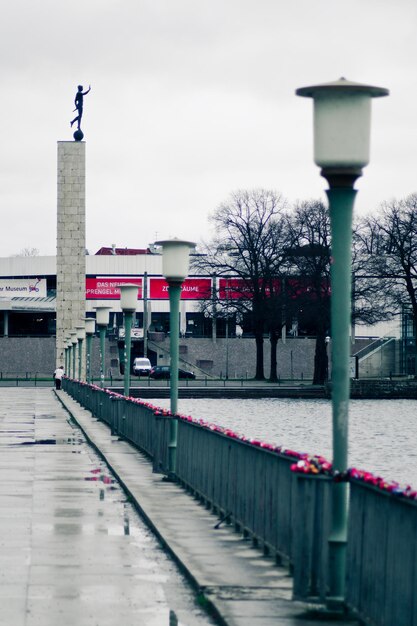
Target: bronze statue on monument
[79,103]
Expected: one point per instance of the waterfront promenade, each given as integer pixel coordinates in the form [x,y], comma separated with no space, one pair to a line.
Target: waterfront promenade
[72,551]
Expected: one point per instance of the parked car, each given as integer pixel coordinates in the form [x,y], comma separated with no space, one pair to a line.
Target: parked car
[142,366]
[164,371]
[186,374]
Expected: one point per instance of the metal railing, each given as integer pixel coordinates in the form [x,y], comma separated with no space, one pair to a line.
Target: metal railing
[26,379]
[382,556]
[285,513]
[249,486]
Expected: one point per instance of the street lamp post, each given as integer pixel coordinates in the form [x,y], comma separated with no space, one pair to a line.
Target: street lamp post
[102,321]
[228,289]
[175,266]
[326,343]
[69,355]
[145,313]
[128,304]
[69,350]
[74,342]
[80,336]
[342,115]
[90,329]
[66,355]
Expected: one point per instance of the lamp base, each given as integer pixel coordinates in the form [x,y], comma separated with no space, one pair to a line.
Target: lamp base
[335,611]
[341,177]
[170,478]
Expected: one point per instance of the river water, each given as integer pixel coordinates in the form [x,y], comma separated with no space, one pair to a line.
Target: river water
[382,433]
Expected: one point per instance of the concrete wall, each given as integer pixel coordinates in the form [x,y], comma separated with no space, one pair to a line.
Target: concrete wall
[295,358]
[382,362]
[36,355]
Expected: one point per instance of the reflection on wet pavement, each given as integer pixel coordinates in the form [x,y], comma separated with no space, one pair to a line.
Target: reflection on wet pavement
[73,551]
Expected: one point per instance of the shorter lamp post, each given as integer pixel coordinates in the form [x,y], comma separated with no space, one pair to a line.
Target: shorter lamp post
[128,304]
[102,321]
[326,343]
[175,266]
[66,350]
[80,336]
[69,357]
[68,363]
[342,117]
[74,342]
[90,329]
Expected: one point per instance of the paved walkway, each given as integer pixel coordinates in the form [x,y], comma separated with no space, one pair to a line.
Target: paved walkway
[244,587]
[72,550]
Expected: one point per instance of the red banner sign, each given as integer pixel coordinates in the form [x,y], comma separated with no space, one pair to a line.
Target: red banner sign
[238,288]
[108,288]
[303,288]
[192,289]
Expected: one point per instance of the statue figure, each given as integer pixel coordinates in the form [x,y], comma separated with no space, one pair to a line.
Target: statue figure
[79,100]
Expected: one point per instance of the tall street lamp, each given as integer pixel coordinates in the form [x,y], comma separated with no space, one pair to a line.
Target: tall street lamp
[90,329]
[102,321]
[74,342]
[128,304]
[342,116]
[80,336]
[175,266]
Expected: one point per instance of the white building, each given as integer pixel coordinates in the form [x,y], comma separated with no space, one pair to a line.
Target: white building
[28,290]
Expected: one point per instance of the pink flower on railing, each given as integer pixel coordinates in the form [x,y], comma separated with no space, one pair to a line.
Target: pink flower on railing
[377,481]
[306,464]
[312,465]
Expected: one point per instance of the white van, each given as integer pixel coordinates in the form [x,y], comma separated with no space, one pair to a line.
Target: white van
[141,365]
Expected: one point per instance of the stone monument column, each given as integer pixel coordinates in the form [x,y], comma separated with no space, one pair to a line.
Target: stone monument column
[70,271]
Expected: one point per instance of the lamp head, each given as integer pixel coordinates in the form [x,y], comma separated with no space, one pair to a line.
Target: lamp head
[342,122]
[80,332]
[175,258]
[102,315]
[128,297]
[90,325]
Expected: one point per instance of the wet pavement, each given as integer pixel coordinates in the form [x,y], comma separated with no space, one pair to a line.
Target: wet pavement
[242,585]
[73,550]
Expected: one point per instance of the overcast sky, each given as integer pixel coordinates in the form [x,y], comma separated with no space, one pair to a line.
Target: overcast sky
[191,100]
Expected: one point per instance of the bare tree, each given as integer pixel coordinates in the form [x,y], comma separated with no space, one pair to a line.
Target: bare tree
[309,254]
[389,238]
[369,285]
[248,245]
[28,252]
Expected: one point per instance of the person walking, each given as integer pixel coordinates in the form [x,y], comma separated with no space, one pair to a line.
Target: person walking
[58,374]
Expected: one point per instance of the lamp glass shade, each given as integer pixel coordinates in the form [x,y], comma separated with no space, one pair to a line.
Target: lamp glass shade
[175,258]
[128,297]
[342,126]
[342,122]
[80,332]
[102,315]
[90,325]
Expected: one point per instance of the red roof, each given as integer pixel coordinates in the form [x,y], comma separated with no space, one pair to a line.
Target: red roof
[122,251]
